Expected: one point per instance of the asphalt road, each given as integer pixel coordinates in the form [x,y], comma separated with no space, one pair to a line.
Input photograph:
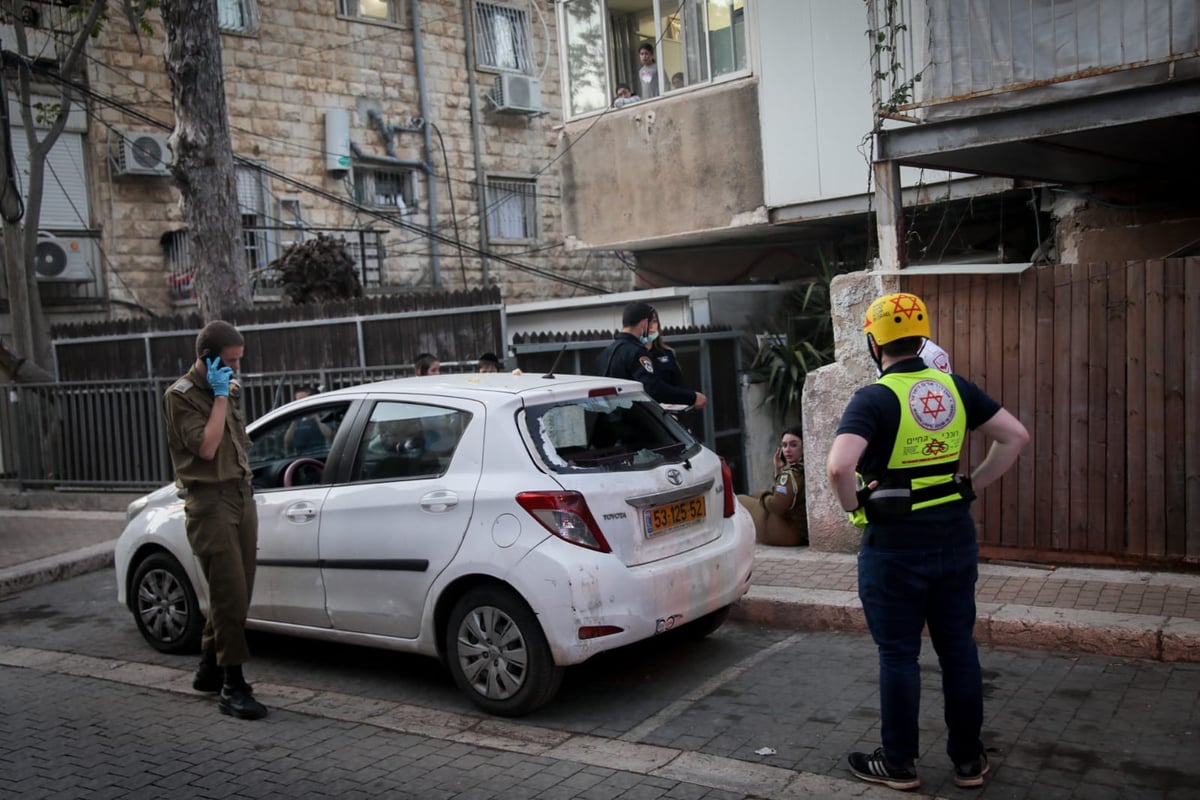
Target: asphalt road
[1059,725]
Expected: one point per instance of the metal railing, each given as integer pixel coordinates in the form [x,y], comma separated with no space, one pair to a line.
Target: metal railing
[110,434]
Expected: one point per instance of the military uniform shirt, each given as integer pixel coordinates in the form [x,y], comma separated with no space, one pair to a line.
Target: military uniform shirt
[187,406]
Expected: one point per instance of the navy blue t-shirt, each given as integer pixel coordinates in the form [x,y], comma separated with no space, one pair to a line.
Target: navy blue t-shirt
[874,414]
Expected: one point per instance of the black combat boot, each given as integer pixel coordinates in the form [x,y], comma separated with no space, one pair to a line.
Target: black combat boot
[237,700]
[208,674]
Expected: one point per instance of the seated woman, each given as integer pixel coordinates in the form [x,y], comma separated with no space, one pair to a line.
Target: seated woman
[780,515]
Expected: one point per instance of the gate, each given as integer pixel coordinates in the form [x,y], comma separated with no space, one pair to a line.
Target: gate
[1101,362]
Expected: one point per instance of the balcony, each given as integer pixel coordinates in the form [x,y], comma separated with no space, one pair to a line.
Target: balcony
[1062,91]
[263,244]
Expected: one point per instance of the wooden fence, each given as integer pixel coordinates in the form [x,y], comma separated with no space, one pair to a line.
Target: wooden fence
[1101,362]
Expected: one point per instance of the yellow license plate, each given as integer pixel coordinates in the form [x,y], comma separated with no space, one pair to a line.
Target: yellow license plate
[674,515]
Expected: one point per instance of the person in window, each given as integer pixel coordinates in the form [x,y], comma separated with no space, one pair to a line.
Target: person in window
[648,73]
[624,96]
[677,81]
[488,362]
[427,364]
[780,515]
[308,434]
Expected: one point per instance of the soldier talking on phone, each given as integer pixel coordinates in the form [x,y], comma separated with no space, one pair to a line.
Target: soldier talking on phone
[206,436]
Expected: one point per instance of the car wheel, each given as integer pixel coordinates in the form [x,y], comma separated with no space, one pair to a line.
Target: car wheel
[165,606]
[498,653]
[706,625]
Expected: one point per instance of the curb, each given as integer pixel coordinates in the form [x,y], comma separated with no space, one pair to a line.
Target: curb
[56,568]
[1095,632]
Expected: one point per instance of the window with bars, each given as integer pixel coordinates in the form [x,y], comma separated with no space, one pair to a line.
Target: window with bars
[511,209]
[237,16]
[391,11]
[503,38]
[385,188]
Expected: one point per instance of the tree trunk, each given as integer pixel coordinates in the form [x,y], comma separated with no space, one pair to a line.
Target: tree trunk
[203,163]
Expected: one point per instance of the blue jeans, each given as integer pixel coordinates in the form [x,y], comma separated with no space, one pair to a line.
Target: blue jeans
[905,583]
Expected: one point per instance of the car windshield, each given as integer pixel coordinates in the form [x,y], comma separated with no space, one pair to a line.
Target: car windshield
[603,434]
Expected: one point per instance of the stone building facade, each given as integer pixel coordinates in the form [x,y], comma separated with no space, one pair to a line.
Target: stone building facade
[375,120]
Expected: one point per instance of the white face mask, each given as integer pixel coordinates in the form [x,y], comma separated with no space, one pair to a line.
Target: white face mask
[650,338]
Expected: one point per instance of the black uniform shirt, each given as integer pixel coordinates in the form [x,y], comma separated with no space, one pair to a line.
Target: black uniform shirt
[627,358]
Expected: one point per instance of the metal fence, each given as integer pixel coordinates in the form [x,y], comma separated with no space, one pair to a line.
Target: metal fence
[110,435]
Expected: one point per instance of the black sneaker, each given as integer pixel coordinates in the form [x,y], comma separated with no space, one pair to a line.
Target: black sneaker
[873,767]
[969,774]
[239,702]
[209,677]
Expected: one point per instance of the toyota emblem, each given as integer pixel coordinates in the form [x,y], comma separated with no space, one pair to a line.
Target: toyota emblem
[675,477]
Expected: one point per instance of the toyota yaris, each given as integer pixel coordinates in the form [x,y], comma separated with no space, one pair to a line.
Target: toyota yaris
[511,525]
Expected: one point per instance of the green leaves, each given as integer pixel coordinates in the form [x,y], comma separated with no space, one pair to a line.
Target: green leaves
[801,342]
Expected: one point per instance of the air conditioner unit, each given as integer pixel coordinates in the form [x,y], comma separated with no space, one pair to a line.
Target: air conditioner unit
[65,258]
[518,94]
[142,154]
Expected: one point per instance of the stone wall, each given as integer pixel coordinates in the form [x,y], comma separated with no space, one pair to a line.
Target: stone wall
[826,392]
[280,82]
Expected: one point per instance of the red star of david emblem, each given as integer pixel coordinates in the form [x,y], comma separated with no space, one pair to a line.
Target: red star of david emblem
[932,404]
[905,304]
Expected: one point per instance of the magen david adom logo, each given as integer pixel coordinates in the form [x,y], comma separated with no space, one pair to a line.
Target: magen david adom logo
[932,405]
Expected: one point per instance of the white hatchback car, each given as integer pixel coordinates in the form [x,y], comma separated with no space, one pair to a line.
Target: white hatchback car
[511,525]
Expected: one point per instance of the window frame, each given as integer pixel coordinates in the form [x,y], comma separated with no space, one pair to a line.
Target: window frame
[739,19]
[249,9]
[531,208]
[364,181]
[351,10]
[526,29]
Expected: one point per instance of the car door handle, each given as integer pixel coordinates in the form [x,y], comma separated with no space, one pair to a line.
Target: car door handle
[440,500]
[301,512]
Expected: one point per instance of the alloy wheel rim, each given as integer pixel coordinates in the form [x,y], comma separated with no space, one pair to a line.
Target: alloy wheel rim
[492,653]
[162,605]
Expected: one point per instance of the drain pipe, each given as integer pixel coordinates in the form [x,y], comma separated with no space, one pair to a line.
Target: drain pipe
[430,177]
[480,189]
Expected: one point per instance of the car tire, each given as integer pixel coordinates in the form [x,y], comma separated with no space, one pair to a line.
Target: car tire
[706,625]
[164,605]
[498,654]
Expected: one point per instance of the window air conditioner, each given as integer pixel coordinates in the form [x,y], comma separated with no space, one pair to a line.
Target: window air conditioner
[64,258]
[519,94]
[142,154]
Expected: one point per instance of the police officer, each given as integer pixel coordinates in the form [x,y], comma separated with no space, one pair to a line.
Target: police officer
[894,466]
[626,357]
[206,436]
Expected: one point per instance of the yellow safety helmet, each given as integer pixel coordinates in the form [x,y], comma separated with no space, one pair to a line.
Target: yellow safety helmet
[896,316]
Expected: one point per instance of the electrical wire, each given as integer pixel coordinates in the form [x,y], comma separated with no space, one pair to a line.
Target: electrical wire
[462,266]
[317,191]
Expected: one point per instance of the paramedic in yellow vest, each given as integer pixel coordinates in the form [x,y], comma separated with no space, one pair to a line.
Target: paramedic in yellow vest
[894,466]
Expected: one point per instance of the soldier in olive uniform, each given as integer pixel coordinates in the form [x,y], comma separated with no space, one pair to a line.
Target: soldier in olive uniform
[206,435]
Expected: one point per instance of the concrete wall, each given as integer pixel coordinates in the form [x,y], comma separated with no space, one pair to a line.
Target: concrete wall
[676,165]
[826,393]
[279,83]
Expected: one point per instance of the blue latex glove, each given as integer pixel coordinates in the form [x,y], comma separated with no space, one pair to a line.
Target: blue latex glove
[218,376]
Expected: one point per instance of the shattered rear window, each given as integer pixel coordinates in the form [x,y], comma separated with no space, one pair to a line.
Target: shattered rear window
[609,433]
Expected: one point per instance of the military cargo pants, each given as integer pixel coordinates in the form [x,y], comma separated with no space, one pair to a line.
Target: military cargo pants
[222,529]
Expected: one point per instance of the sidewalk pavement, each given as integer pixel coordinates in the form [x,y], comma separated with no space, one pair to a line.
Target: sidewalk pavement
[1111,612]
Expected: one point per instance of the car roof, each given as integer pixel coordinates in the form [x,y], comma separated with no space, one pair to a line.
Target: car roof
[493,387]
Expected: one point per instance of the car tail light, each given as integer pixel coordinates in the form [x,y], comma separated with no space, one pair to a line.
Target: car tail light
[727,480]
[567,516]
[605,392]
